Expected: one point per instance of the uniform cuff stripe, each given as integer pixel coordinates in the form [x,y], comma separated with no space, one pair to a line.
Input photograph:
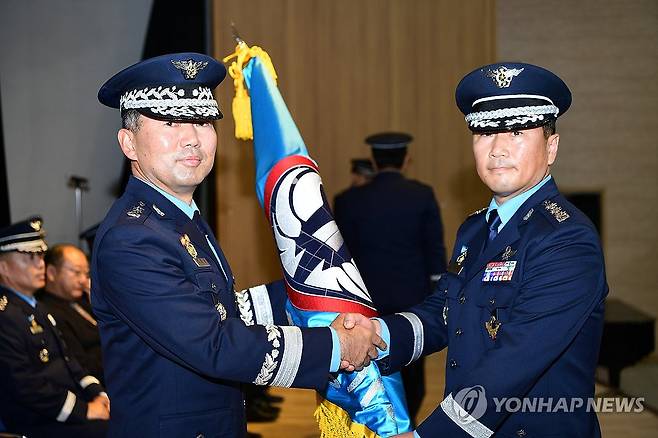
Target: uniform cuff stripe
[463,419]
[293,345]
[67,408]
[262,305]
[88,380]
[419,334]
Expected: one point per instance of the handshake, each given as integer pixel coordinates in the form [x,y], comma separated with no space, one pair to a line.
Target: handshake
[360,337]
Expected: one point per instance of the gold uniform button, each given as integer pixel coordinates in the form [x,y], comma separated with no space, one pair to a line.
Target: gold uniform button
[43,355]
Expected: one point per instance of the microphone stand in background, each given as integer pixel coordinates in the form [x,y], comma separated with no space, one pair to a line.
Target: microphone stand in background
[79,184]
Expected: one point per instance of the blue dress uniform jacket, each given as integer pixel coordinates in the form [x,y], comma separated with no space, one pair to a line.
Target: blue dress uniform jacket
[174,348]
[536,335]
[393,229]
[42,387]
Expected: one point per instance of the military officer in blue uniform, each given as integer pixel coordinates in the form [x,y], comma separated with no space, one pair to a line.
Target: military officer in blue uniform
[175,347]
[44,391]
[521,307]
[394,231]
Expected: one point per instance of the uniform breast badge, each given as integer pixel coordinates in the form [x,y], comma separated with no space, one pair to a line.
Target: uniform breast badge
[200,261]
[509,252]
[44,355]
[3,303]
[35,328]
[492,327]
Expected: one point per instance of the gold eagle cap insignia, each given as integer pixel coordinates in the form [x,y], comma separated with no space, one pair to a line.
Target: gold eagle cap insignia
[190,68]
[36,225]
[502,76]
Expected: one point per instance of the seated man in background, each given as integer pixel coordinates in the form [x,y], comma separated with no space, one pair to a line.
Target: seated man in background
[44,392]
[67,279]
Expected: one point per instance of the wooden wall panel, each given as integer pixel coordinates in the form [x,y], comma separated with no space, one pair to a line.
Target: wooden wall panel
[347,69]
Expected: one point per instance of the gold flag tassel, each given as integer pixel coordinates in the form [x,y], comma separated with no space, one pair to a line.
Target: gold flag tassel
[241,102]
[334,422]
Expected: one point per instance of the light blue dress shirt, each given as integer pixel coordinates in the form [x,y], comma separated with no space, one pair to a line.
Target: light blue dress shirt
[509,207]
[189,210]
[29,300]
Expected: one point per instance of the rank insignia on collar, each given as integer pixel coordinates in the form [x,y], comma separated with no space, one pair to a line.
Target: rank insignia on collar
[221,310]
[35,328]
[44,355]
[3,303]
[190,68]
[509,252]
[36,225]
[528,214]
[492,327]
[158,211]
[478,211]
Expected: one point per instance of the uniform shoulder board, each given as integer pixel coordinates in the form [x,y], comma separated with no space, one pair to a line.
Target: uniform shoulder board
[555,210]
[478,211]
[3,303]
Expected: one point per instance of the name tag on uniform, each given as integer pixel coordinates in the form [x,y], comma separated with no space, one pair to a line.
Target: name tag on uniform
[201,262]
[499,271]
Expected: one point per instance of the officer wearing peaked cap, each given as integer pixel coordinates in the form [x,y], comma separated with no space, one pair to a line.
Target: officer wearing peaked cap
[394,230]
[520,309]
[44,392]
[175,344]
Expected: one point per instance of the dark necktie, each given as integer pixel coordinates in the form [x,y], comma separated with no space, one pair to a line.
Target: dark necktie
[492,224]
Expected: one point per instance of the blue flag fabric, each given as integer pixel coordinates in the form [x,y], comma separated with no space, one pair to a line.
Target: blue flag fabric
[320,274]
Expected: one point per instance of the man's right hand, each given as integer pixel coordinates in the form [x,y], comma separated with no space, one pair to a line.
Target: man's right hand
[358,344]
[98,409]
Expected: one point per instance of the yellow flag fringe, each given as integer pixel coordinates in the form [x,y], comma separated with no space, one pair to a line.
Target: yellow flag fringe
[241,102]
[334,422]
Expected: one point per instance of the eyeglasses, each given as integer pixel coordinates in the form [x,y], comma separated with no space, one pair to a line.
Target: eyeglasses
[77,272]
